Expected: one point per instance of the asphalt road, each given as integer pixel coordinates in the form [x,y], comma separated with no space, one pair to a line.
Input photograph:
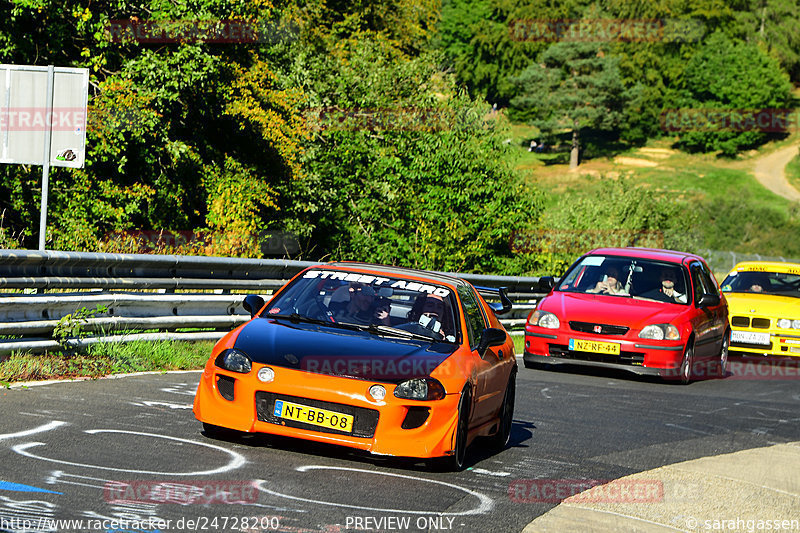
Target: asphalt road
[81,450]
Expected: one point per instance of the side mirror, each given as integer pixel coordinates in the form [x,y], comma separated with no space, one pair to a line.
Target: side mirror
[708,300]
[546,283]
[252,303]
[491,337]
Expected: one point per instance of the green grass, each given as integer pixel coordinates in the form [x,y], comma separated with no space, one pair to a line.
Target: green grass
[107,358]
[732,211]
[793,172]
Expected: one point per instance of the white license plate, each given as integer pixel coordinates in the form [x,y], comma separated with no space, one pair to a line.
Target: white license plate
[750,337]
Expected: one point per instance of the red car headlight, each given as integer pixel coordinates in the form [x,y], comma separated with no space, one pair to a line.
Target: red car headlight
[544,319]
[660,332]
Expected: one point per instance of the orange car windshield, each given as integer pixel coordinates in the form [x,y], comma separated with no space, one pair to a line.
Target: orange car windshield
[360,299]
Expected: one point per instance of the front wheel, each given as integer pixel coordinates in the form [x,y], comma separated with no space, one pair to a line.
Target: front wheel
[686,365]
[455,462]
[722,371]
[501,438]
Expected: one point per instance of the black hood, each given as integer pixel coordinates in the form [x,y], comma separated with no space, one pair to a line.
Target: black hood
[341,352]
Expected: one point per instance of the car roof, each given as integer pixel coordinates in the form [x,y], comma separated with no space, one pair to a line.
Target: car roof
[767,266]
[396,271]
[671,256]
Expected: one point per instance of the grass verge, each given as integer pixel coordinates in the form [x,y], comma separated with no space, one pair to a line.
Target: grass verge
[106,358]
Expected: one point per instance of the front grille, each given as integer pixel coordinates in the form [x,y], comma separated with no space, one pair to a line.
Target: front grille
[225,386]
[624,358]
[761,323]
[364,420]
[605,329]
[740,321]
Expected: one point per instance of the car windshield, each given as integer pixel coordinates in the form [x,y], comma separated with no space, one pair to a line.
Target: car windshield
[626,277]
[382,305]
[759,282]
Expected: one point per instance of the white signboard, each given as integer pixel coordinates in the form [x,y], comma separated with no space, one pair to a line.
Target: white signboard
[26,115]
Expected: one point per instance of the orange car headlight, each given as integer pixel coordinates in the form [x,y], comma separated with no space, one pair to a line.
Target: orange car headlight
[420,389]
[234,360]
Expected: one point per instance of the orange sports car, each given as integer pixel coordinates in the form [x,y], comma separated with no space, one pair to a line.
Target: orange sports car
[389,360]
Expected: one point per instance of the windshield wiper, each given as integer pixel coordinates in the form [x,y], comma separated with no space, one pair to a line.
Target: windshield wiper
[380,329]
[297,317]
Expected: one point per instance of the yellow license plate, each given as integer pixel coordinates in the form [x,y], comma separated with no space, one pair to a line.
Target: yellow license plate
[580,345]
[313,415]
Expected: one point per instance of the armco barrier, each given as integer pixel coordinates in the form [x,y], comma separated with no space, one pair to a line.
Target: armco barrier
[168,294]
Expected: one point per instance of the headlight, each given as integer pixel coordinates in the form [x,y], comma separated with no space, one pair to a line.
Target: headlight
[660,332]
[420,389]
[788,324]
[234,360]
[544,319]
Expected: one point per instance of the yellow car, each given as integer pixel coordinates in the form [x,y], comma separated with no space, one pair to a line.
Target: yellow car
[764,303]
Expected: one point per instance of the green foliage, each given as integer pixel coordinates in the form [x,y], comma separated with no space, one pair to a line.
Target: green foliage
[71,326]
[576,86]
[614,212]
[725,74]
[405,169]
[775,25]
[106,358]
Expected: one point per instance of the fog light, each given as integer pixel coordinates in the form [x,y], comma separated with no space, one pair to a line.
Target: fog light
[378,392]
[266,374]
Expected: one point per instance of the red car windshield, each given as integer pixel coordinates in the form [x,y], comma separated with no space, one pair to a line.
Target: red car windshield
[627,277]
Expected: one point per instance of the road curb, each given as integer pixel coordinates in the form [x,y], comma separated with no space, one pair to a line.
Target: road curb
[730,492]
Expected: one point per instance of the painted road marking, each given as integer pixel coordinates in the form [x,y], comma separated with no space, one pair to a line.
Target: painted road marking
[18,487]
[486,503]
[236,461]
[46,427]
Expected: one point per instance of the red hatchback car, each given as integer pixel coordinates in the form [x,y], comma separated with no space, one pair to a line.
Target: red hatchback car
[656,312]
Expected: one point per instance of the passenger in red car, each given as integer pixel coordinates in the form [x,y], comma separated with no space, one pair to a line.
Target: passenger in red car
[610,284]
[667,279]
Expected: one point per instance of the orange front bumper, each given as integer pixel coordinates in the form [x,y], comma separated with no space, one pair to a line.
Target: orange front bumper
[434,438]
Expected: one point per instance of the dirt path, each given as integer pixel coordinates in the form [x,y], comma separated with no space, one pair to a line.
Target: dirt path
[769,171]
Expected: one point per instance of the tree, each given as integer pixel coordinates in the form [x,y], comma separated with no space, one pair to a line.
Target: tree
[774,24]
[575,86]
[730,77]
[404,168]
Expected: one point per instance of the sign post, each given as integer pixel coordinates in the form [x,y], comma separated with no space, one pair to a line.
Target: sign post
[43,121]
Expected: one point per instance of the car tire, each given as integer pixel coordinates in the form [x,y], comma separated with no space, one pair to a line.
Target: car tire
[501,438]
[686,365]
[724,354]
[455,462]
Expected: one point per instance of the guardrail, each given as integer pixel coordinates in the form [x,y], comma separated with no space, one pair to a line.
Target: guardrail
[141,293]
